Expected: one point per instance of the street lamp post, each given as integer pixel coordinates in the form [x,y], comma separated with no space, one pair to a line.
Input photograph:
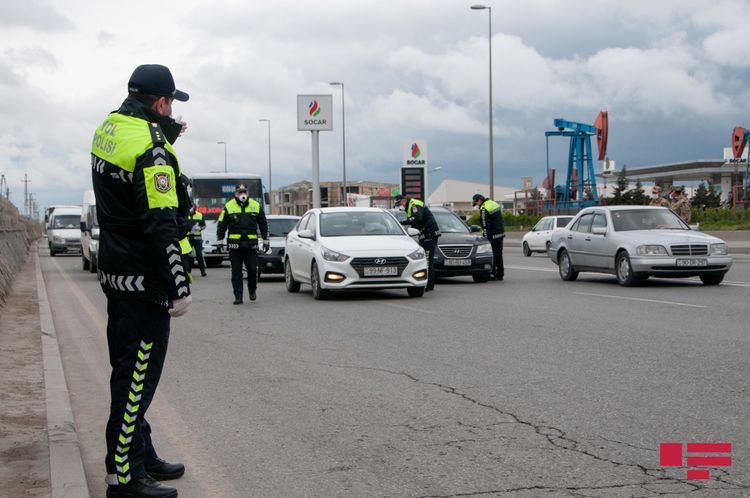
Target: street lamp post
[225,154]
[345,200]
[492,160]
[270,187]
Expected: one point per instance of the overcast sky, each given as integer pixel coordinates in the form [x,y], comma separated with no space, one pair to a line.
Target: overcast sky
[673,75]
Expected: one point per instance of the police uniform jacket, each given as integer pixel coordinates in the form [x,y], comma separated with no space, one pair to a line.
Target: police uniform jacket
[195,220]
[140,204]
[491,219]
[243,221]
[420,217]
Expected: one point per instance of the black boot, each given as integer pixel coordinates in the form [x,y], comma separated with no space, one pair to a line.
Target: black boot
[144,487]
[253,297]
[164,471]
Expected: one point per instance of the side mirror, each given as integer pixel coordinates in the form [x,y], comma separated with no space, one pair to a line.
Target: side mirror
[413,232]
[83,226]
[476,228]
[305,234]
[599,230]
[267,198]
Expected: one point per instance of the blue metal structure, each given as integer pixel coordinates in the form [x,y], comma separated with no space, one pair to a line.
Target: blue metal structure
[580,178]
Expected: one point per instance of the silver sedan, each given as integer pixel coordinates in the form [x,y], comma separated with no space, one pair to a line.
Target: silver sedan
[637,242]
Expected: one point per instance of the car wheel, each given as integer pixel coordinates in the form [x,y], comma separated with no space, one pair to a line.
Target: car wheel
[526,250]
[624,270]
[318,292]
[52,252]
[85,265]
[565,266]
[415,291]
[712,279]
[93,266]
[549,244]
[291,284]
[481,278]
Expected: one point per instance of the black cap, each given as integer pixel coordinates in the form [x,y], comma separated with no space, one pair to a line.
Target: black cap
[155,79]
[398,198]
[241,187]
[477,197]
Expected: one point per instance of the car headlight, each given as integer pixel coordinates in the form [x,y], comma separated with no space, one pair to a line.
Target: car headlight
[329,255]
[484,248]
[58,240]
[416,255]
[649,250]
[719,249]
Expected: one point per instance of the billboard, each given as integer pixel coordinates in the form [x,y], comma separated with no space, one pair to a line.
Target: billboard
[314,112]
[415,154]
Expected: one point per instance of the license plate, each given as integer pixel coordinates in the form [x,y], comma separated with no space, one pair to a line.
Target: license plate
[380,271]
[692,262]
[457,262]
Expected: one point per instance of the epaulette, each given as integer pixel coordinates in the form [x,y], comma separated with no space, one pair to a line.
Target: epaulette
[157,136]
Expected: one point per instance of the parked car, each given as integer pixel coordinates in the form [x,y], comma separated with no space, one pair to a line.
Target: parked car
[89,232]
[64,230]
[279,227]
[538,239]
[353,248]
[637,242]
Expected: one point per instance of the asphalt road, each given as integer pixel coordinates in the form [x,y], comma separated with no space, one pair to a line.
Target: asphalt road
[527,387]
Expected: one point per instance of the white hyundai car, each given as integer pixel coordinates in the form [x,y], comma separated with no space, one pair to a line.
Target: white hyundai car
[353,248]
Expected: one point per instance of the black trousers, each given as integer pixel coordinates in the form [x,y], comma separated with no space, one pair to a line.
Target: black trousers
[248,257]
[429,245]
[498,269]
[198,247]
[137,335]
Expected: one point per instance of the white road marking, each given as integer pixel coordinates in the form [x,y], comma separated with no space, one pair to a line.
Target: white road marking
[640,299]
[410,308]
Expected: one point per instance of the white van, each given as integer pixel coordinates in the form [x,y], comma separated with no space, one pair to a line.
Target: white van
[89,232]
[64,230]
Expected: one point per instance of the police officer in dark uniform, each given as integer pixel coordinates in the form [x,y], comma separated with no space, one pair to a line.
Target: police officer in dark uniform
[141,205]
[419,216]
[493,229]
[243,218]
[195,226]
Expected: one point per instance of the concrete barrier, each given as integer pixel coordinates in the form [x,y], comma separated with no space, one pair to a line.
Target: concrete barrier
[16,235]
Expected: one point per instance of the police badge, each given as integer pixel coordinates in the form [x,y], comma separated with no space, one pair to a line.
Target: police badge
[163,182]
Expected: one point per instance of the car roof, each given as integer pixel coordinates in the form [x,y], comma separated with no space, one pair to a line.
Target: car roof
[282,217]
[348,209]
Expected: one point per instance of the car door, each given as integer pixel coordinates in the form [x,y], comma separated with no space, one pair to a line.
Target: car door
[600,254]
[294,246]
[540,234]
[576,239]
[307,249]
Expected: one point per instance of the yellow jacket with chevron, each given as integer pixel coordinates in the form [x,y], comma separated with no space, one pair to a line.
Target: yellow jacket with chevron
[141,207]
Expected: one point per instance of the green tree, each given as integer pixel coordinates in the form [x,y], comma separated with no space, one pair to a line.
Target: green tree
[638,196]
[620,192]
[713,198]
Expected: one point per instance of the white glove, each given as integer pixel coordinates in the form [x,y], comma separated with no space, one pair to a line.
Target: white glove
[180,306]
[266,247]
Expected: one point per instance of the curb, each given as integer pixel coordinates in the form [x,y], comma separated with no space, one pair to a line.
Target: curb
[67,478]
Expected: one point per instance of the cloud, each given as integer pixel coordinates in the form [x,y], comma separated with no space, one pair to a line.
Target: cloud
[34,14]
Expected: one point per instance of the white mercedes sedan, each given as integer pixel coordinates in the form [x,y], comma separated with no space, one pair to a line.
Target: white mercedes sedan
[353,248]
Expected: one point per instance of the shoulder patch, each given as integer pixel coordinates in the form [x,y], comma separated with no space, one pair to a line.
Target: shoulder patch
[162,182]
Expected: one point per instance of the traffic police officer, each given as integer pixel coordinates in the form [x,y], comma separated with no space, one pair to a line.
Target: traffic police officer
[141,209]
[419,216]
[243,218]
[195,225]
[493,229]
[657,199]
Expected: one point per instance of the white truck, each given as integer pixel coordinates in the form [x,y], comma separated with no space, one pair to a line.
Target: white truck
[89,232]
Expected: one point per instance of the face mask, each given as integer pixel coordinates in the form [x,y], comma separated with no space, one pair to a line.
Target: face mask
[475,208]
[654,196]
[242,197]
[401,207]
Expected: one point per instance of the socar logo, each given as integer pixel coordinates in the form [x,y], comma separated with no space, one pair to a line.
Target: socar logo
[314,108]
[415,152]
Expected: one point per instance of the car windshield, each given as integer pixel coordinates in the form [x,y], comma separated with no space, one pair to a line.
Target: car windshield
[67,221]
[646,219]
[346,224]
[449,222]
[280,227]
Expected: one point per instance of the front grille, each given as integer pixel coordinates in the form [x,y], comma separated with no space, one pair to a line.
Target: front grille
[455,251]
[689,250]
[359,264]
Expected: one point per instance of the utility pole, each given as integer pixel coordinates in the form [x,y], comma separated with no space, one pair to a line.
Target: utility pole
[4,190]
[26,182]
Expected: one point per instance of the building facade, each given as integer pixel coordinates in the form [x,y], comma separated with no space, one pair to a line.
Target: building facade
[295,199]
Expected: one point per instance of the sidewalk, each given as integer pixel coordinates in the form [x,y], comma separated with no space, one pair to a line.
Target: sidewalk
[39,451]
[738,241]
